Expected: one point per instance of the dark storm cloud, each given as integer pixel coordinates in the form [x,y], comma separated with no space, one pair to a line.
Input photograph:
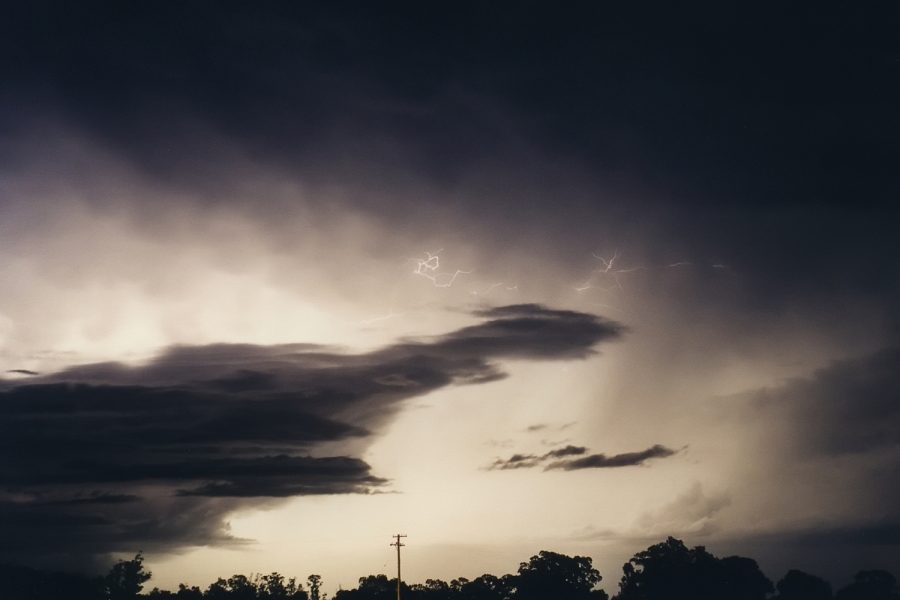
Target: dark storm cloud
[835,549]
[685,96]
[100,499]
[531,331]
[849,407]
[261,476]
[719,124]
[842,420]
[81,536]
[593,461]
[885,532]
[275,476]
[106,452]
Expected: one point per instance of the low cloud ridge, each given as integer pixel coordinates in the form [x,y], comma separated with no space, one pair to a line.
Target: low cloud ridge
[107,457]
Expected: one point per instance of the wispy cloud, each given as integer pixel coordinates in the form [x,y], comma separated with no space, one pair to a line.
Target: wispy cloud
[591,461]
[602,461]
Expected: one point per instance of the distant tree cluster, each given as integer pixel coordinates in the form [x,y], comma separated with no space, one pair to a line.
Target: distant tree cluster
[547,575]
[665,571]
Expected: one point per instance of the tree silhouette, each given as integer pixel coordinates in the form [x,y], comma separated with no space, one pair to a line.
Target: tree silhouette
[218,590]
[672,571]
[484,587]
[871,585]
[668,570]
[24,583]
[797,585]
[126,578]
[374,587]
[241,588]
[188,592]
[742,579]
[552,575]
[432,589]
[275,587]
[315,585]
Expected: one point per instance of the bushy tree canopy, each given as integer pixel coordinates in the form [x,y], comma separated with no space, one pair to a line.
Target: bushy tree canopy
[797,585]
[552,575]
[672,571]
[126,578]
[871,585]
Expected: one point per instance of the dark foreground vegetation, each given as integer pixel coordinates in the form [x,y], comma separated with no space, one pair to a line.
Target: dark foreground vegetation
[665,571]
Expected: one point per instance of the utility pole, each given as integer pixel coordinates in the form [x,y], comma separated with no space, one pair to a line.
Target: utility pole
[399,544]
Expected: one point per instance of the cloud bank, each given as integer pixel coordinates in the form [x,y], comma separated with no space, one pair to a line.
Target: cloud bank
[107,457]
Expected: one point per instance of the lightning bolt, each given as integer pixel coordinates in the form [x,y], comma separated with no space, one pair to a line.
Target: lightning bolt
[609,268]
[381,318]
[509,288]
[429,269]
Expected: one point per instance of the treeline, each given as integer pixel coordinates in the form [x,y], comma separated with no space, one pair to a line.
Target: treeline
[665,571]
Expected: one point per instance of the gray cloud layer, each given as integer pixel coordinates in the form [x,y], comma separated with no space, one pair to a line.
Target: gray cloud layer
[850,407]
[832,445]
[107,457]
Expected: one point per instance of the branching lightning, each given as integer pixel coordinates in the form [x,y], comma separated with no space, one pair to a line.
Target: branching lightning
[429,269]
[610,269]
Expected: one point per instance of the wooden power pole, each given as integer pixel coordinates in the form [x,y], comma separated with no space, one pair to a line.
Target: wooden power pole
[399,544]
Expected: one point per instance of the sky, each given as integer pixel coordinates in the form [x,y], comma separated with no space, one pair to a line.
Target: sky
[281,280]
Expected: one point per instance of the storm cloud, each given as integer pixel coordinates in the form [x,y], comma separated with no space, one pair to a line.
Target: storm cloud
[633,105]
[848,414]
[221,179]
[849,407]
[104,454]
